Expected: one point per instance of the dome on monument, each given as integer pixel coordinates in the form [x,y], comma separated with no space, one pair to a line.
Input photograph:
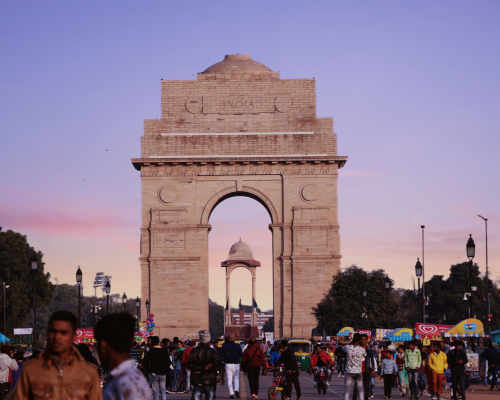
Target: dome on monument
[234,63]
[240,251]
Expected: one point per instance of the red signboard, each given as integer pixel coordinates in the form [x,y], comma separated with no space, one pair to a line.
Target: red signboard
[366,332]
[84,334]
[432,331]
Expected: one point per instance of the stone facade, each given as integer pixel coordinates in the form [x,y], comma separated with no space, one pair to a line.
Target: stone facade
[237,130]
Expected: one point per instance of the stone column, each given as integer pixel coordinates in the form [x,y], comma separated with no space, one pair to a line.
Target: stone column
[228,312]
[254,288]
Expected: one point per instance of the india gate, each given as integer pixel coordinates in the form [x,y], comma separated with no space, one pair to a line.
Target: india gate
[237,130]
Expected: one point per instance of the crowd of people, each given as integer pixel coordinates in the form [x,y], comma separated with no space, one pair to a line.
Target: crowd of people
[115,370]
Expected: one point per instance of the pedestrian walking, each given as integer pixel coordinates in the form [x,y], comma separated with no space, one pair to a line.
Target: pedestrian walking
[203,361]
[254,356]
[368,369]
[355,355]
[184,362]
[388,370]
[114,334]
[340,357]
[457,359]
[157,364]
[491,355]
[232,354]
[7,366]
[41,376]
[437,363]
[291,370]
[428,371]
[404,383]
[412,363]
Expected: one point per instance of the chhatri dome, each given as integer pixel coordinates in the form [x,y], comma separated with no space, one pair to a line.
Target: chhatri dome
[240,252]
[238,66]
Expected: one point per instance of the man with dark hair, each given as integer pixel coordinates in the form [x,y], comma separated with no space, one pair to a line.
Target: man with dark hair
[354,367]
[292,373]
[203,361]
[157,363]
[255,356]
[232,353]
[413,361]
[456,361]
[368,368]
[114,334]
[492,355]
[184,362]
[59,372]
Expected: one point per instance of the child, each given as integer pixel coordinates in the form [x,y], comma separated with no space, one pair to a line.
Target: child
[388,370]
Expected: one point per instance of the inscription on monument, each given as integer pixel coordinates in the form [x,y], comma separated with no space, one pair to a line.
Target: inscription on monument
[237,105]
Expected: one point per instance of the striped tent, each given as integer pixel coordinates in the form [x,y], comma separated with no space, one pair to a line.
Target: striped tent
[400,335]
[471,327]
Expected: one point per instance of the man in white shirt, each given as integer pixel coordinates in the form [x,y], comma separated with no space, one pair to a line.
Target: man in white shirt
[354,367]
[115,333]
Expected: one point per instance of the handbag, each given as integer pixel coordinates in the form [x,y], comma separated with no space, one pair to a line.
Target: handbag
[246,367]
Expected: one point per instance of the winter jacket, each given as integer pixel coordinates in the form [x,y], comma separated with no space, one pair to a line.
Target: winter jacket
[6,364]
[185,355]
[289,360]
[232,352]
[452,357]
[413,359]
[388,367]
[157,361]
[492,355]
[327,360]
[199,358]
[45,378]
[438,362]
[254,354]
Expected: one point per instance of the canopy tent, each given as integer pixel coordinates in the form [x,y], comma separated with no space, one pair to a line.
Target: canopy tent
[471,327]
[4,339]
[345,331]
[400,335]
[380,333]
[430,331]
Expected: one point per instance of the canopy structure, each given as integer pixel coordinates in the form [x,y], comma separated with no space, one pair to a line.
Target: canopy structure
[430,331]
[380,333]
[471,327]
[400,335]
[345,331]
[4,339]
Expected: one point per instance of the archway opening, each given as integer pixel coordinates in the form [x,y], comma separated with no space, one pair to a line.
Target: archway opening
[232,218]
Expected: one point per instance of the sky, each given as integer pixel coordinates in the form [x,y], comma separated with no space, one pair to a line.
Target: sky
[412,86]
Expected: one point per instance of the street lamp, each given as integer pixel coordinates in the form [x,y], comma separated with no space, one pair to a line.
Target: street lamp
[108,290]
[4,310]
[79,282]
[34,266]
[418,272]
[363,315]
[487,276]
[471,252]
[387,283]
[138,307]
[124,301]
[147,308]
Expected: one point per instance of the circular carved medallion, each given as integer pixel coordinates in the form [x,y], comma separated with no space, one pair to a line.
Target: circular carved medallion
[309,193]
[194,105]
[167,194]
[282,104]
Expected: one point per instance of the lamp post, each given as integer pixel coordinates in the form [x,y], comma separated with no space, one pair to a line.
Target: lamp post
[487,276]
[34,266]
[364,316]
[124,302]
[471,252]
[418,271]
[138,307]
[108,290]
[4,310]
[79,282]
[147,308]
[423,273]
[387,283]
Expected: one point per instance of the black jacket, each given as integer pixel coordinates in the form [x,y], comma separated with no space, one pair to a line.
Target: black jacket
[200,357]
[452,357]
[369,360]
[492,355]
[157,361]
[289,360]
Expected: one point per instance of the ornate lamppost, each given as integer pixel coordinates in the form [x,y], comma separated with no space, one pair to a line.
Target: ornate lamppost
[418,272]
[124,302]
[79,282]
[471,252]
[108,290]
[34,267]
[138,307]
[387,283]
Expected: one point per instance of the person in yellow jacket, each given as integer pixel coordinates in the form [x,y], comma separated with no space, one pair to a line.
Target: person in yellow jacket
[437,363]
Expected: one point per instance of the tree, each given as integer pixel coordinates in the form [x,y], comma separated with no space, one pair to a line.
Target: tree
[15,271]
[343,304]
[269,325]
[216,319]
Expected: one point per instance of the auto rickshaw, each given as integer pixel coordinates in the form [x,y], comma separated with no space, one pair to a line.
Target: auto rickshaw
[302,350]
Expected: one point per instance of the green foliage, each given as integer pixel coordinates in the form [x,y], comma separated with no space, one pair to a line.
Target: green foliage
[15,271]
[216,319]
[343,304]
[269,325]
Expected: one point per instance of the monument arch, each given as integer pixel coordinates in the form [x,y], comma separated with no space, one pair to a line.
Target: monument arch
[238,130]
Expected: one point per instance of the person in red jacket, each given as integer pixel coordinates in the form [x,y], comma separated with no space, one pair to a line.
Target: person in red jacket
[321,359]
[184,363]
[254,355]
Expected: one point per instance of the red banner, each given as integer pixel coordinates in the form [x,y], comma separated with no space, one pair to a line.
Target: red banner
[84,334]
[366,332]
[432,331]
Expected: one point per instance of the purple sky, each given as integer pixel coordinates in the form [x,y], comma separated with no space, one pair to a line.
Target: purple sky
[413,87]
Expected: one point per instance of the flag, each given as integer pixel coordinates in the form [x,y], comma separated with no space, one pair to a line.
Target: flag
[484,298]
[426,301]
[234,321]
[254,303]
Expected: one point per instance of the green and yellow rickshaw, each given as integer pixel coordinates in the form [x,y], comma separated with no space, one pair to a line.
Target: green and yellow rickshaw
[302,350]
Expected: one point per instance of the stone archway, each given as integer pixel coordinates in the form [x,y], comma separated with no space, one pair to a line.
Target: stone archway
[238,130]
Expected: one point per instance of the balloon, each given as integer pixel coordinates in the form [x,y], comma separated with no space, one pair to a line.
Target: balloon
[152,325]
[150,329]
[150,319]
[152,315]
[135,333]
[140,323]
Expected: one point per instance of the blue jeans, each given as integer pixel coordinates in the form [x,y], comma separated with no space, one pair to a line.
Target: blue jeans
[413,375]
[200,390]
[158,383]
[174,383]
[354,379]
